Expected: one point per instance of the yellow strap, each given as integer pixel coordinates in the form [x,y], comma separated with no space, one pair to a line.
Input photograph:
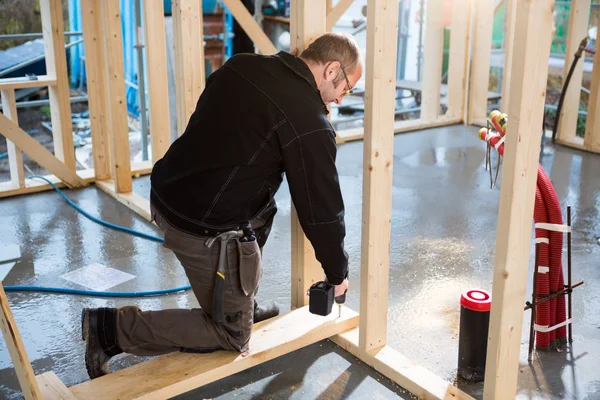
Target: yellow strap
[221,275]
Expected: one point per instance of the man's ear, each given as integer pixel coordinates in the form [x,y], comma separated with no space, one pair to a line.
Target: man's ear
[331,70]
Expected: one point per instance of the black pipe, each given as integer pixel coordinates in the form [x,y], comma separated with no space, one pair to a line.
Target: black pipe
[582,46]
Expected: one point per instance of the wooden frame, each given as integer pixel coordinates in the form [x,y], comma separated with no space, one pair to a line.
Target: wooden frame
[567,127]
[531,23]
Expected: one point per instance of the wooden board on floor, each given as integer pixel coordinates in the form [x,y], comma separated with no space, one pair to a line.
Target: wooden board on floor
[132,200]
[52,388]
[407,373]
[167,376]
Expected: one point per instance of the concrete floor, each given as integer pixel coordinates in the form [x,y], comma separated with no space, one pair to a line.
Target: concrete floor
[444,219]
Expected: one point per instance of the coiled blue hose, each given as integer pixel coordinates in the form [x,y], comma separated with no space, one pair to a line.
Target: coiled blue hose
[92,292]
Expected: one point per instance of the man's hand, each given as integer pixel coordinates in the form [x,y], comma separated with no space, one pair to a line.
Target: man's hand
[341,288]
[294,52]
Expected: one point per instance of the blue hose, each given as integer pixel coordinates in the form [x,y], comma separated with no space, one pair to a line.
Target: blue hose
[91,292]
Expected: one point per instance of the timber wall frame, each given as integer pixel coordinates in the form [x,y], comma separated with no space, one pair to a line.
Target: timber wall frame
[366,339]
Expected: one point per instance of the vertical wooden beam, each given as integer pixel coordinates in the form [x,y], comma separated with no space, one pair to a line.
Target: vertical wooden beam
[533,36]
[380,91]
[511,13]
[156,58]
[188,42]
[458,65]
[56,67]
[578,30]
[480,62]
[591,139]
[334,14]
[17,351]
[116,95]
[95,64]
[15,156]
[432,60]
[307,22]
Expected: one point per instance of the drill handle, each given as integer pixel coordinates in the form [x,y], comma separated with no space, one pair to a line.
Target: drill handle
[341,299]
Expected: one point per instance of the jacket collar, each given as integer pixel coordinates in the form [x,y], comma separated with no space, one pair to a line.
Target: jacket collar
[299,67]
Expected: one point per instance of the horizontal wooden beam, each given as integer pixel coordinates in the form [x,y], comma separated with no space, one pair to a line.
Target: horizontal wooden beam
[577,143]
[348,135]
[38,153]
[8,189]
[139,204]
[22,83]
[172,374]
[405,372]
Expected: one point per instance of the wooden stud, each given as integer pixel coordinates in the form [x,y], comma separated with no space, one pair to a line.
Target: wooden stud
[249,25]
[17,351]
[382,36]
[37,152]
[480,61]
[591,139]
[458,64]
[521,160]
[56,67]
[95,64]
[578,29]
[117,110]
[140,205]
[334,14]
[15,156]
[307,23]
[188,42]
[511,14]
[167,376]
[156,56]
[432,60]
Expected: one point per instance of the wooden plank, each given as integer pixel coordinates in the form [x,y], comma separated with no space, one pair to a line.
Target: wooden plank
[577,143]
[480,61]
[56,67]
[169,375]
[517,191]
[578,29]
[348,135]
[17,351]
[458,65]
[249,25]
[22,83]
[117,110]
[52,388]
[8,189]
[158,90]
[15,156]
[139,204]
[405,372]
[98,102]
[592,128]
[382,34]
[307,23]
[334,14]
[510,15]
[432,60]
[38,153]
[189,58]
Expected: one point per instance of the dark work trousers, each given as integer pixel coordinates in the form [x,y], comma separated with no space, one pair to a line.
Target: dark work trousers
[148,333]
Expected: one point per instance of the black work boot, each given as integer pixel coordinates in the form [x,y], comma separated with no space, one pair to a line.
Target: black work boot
[98,331]
[261,312]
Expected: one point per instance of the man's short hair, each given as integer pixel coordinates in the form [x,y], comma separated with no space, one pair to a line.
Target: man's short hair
[334,46]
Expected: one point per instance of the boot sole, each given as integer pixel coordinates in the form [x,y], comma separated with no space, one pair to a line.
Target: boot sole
[84,324]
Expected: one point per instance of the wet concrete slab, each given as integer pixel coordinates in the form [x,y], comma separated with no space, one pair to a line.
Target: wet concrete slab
[443,230]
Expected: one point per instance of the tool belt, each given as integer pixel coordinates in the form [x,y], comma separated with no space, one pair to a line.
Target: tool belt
[245,235]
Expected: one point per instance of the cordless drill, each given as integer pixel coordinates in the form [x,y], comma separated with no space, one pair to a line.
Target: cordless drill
[321,297]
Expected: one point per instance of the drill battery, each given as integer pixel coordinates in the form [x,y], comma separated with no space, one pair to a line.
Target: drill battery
[321,297]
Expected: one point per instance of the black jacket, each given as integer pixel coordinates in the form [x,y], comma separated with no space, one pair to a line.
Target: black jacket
[257,118]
